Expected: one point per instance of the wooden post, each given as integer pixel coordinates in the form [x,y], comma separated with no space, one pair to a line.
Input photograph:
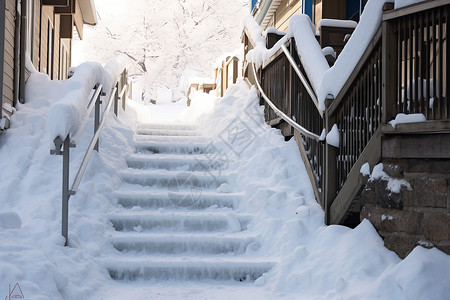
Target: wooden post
[389,71]
[235,70]
[330,170]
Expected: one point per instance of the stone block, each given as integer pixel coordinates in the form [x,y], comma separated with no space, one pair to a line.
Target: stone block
[393,220]
[400,243]
[435,226]
[427,191]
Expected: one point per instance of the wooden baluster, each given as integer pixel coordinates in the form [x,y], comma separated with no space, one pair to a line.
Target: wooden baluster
[433,43]
[391,70]
[427,67]
[439,91]
[416,65]
[410,105]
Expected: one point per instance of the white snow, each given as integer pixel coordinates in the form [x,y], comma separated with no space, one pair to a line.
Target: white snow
[10,220]
[365,169]
[384,217]
[273,30]
[333,137]
[335,23]
[329,51]
[409,118]
[393,185]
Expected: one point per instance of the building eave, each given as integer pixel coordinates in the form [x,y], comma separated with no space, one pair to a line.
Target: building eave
[88,11]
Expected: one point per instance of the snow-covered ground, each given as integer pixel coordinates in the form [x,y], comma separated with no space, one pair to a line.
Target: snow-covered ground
[167,43]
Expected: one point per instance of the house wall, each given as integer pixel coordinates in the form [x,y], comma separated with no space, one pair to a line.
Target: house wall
[285,11]
[8,58]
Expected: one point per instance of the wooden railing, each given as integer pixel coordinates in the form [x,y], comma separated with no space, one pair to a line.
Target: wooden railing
[403,70]
[226,74]
[419,47]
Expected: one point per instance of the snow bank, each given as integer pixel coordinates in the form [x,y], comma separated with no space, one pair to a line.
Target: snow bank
[32,251]
[72,97]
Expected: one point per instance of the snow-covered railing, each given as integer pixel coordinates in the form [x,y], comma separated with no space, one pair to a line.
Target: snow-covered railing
[62,145]
[226,74]
[401,69]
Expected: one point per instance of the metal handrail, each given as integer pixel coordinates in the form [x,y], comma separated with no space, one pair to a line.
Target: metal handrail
[98,90]
[65,145]
[282,114]
[302,78]
[87,156]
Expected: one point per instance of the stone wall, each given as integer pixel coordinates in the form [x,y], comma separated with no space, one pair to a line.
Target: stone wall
[419,215]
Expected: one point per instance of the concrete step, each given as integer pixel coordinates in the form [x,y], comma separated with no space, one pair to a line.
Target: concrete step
[175,162]
[179,243]
[181,199]
[184,221]
[188,268]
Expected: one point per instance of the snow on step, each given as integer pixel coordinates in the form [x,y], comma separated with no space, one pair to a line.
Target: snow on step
[184,221]
[171,161]
[197,180]
[173,147]
[166,132]
[168,126]
[173,139]
[182,199]
[171,222]
[188,268]
[177,243]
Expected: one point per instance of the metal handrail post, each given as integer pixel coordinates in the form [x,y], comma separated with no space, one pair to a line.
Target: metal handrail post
[116,100]
[65,189]
[97,117]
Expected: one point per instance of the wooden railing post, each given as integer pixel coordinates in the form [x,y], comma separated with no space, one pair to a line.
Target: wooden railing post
[235,69]
[389,71]
[330,169]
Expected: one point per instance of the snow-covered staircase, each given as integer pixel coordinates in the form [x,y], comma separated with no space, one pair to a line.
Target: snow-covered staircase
[171,222]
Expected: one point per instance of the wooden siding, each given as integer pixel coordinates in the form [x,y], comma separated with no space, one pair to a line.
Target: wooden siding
[8,63]
[285,11]
[37,31]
